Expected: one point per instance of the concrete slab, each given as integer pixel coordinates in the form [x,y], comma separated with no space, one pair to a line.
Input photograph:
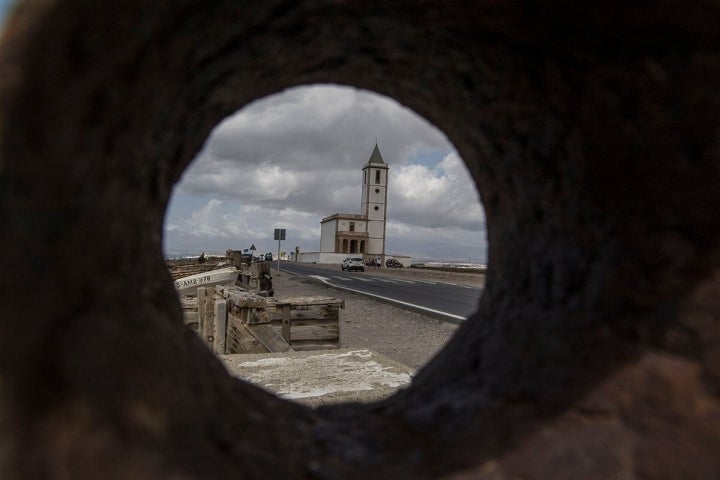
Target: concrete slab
[317,378]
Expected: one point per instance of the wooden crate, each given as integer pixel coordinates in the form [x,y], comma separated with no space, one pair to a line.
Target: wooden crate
[232,320]
[308,323]
[256,276]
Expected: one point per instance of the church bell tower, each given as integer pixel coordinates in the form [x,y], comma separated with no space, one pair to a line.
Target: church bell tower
[374,202]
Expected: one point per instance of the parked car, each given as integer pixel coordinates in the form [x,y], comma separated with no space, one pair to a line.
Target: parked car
[392,263]
[268,257]
[353,263]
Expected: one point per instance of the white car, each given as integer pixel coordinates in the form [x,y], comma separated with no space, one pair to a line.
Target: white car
[353,263]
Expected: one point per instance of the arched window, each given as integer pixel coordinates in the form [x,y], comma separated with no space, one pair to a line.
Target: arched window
[352,226]
[377,176]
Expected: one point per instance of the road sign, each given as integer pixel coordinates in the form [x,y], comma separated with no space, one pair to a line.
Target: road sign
[252,247]
[279,235]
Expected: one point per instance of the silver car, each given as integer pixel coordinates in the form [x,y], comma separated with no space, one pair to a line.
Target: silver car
[353,263]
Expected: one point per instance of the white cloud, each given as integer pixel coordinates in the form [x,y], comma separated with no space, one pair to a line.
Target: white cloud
[442,197]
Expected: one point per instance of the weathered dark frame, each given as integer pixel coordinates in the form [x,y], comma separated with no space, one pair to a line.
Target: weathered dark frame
[591,132]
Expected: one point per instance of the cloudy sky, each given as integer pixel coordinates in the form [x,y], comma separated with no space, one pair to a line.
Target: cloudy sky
[288,160]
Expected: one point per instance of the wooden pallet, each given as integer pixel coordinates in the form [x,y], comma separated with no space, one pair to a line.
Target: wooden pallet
[232,320]
[309,323]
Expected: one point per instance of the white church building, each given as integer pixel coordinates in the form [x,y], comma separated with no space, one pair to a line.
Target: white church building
[363,234]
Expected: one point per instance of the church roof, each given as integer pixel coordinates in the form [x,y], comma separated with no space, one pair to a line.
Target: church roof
[343,216]
[376,157]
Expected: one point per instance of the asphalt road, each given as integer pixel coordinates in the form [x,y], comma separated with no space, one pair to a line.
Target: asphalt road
[450,301]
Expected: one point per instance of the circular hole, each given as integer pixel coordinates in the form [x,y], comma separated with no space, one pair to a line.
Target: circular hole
[293,180]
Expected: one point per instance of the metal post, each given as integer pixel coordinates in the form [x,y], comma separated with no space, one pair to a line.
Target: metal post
[279,235]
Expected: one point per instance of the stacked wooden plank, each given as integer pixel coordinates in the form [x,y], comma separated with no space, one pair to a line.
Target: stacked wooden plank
[308,323]
[232,320]
[256,276]
[249,324]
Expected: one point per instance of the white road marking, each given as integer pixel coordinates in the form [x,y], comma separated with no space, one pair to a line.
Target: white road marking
[343,278]
[321,278]
[420,307]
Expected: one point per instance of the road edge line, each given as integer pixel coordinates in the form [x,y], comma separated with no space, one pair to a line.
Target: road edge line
[451,317]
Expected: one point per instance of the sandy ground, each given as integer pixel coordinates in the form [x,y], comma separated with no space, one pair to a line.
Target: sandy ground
[407,337]
[322,377]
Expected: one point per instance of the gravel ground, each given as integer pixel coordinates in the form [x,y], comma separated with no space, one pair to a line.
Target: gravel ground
[405,336]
